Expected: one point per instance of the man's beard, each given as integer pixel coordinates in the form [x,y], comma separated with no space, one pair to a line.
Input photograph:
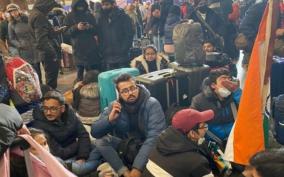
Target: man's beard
[107,11]
[131,99]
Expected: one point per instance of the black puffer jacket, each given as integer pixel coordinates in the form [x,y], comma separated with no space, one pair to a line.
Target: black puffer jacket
[178,156]
[10,123]
[115,35]
[84,45]
[67,136]
[250,23]
[42,29]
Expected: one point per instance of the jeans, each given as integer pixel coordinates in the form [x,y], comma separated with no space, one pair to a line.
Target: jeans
[89,166]
[107,147]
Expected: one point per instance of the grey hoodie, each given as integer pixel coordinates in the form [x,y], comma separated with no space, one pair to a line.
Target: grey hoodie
[10,123]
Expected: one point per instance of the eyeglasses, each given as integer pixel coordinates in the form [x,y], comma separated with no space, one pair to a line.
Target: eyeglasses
[126,91]
[205,126]
[52,109]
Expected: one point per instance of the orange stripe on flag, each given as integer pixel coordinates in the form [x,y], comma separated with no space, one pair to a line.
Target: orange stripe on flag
[247,136]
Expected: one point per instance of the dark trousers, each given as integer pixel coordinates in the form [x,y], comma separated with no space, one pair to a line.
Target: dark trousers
[51,68]
[111,66]
[36,67]
[82,68]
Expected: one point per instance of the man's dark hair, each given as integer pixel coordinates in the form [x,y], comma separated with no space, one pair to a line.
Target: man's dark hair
[269,163]
[213,75]
[55,95]
[91,76]
[122,78]
[109,1]
[195,128]
[209,41]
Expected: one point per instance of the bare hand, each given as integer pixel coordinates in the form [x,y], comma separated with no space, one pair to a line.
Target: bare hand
[116,108]
[80,161]
[24,130]
[60,29]
[135,173]
[81,26]
[279,32]
[231,85]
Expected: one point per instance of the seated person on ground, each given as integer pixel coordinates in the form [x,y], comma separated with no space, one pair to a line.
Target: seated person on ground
[134,115]
[86,97]
[178,152]
[68,139]
[222,95]
[216,59]
[41,138]
[149,61]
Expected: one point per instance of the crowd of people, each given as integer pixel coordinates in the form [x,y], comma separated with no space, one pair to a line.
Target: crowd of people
[101,39]
[130,137]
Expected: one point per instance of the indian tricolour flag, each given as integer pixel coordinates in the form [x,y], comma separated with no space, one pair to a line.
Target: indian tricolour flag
[247,135]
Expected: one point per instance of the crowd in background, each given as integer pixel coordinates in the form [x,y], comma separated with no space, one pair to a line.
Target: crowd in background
[142,36]
[102,38]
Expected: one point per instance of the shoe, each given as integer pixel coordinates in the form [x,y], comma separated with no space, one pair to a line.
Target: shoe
[105,170]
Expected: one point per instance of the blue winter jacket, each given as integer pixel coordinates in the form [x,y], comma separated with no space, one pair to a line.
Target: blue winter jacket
[151,117]
[223,120]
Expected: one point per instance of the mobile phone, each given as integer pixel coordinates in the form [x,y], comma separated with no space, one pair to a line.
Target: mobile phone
[231,85]
[63,27]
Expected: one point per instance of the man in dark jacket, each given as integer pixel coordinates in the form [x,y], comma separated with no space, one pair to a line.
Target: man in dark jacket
[134,115]
[221,95]
[115,34]
[178,152]
[82,28]
[44,34]
[249,28]
[67,136]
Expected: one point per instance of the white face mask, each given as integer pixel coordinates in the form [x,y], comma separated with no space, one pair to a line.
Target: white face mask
[201,141]
[223,92]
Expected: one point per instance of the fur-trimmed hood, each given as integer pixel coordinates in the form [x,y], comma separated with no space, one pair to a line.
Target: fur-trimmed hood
[90,91]
[142,60]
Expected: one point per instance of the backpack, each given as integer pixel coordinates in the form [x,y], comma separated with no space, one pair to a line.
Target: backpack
[216,59]
[188,37]
[278,115]
[23,81]
[128,149]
